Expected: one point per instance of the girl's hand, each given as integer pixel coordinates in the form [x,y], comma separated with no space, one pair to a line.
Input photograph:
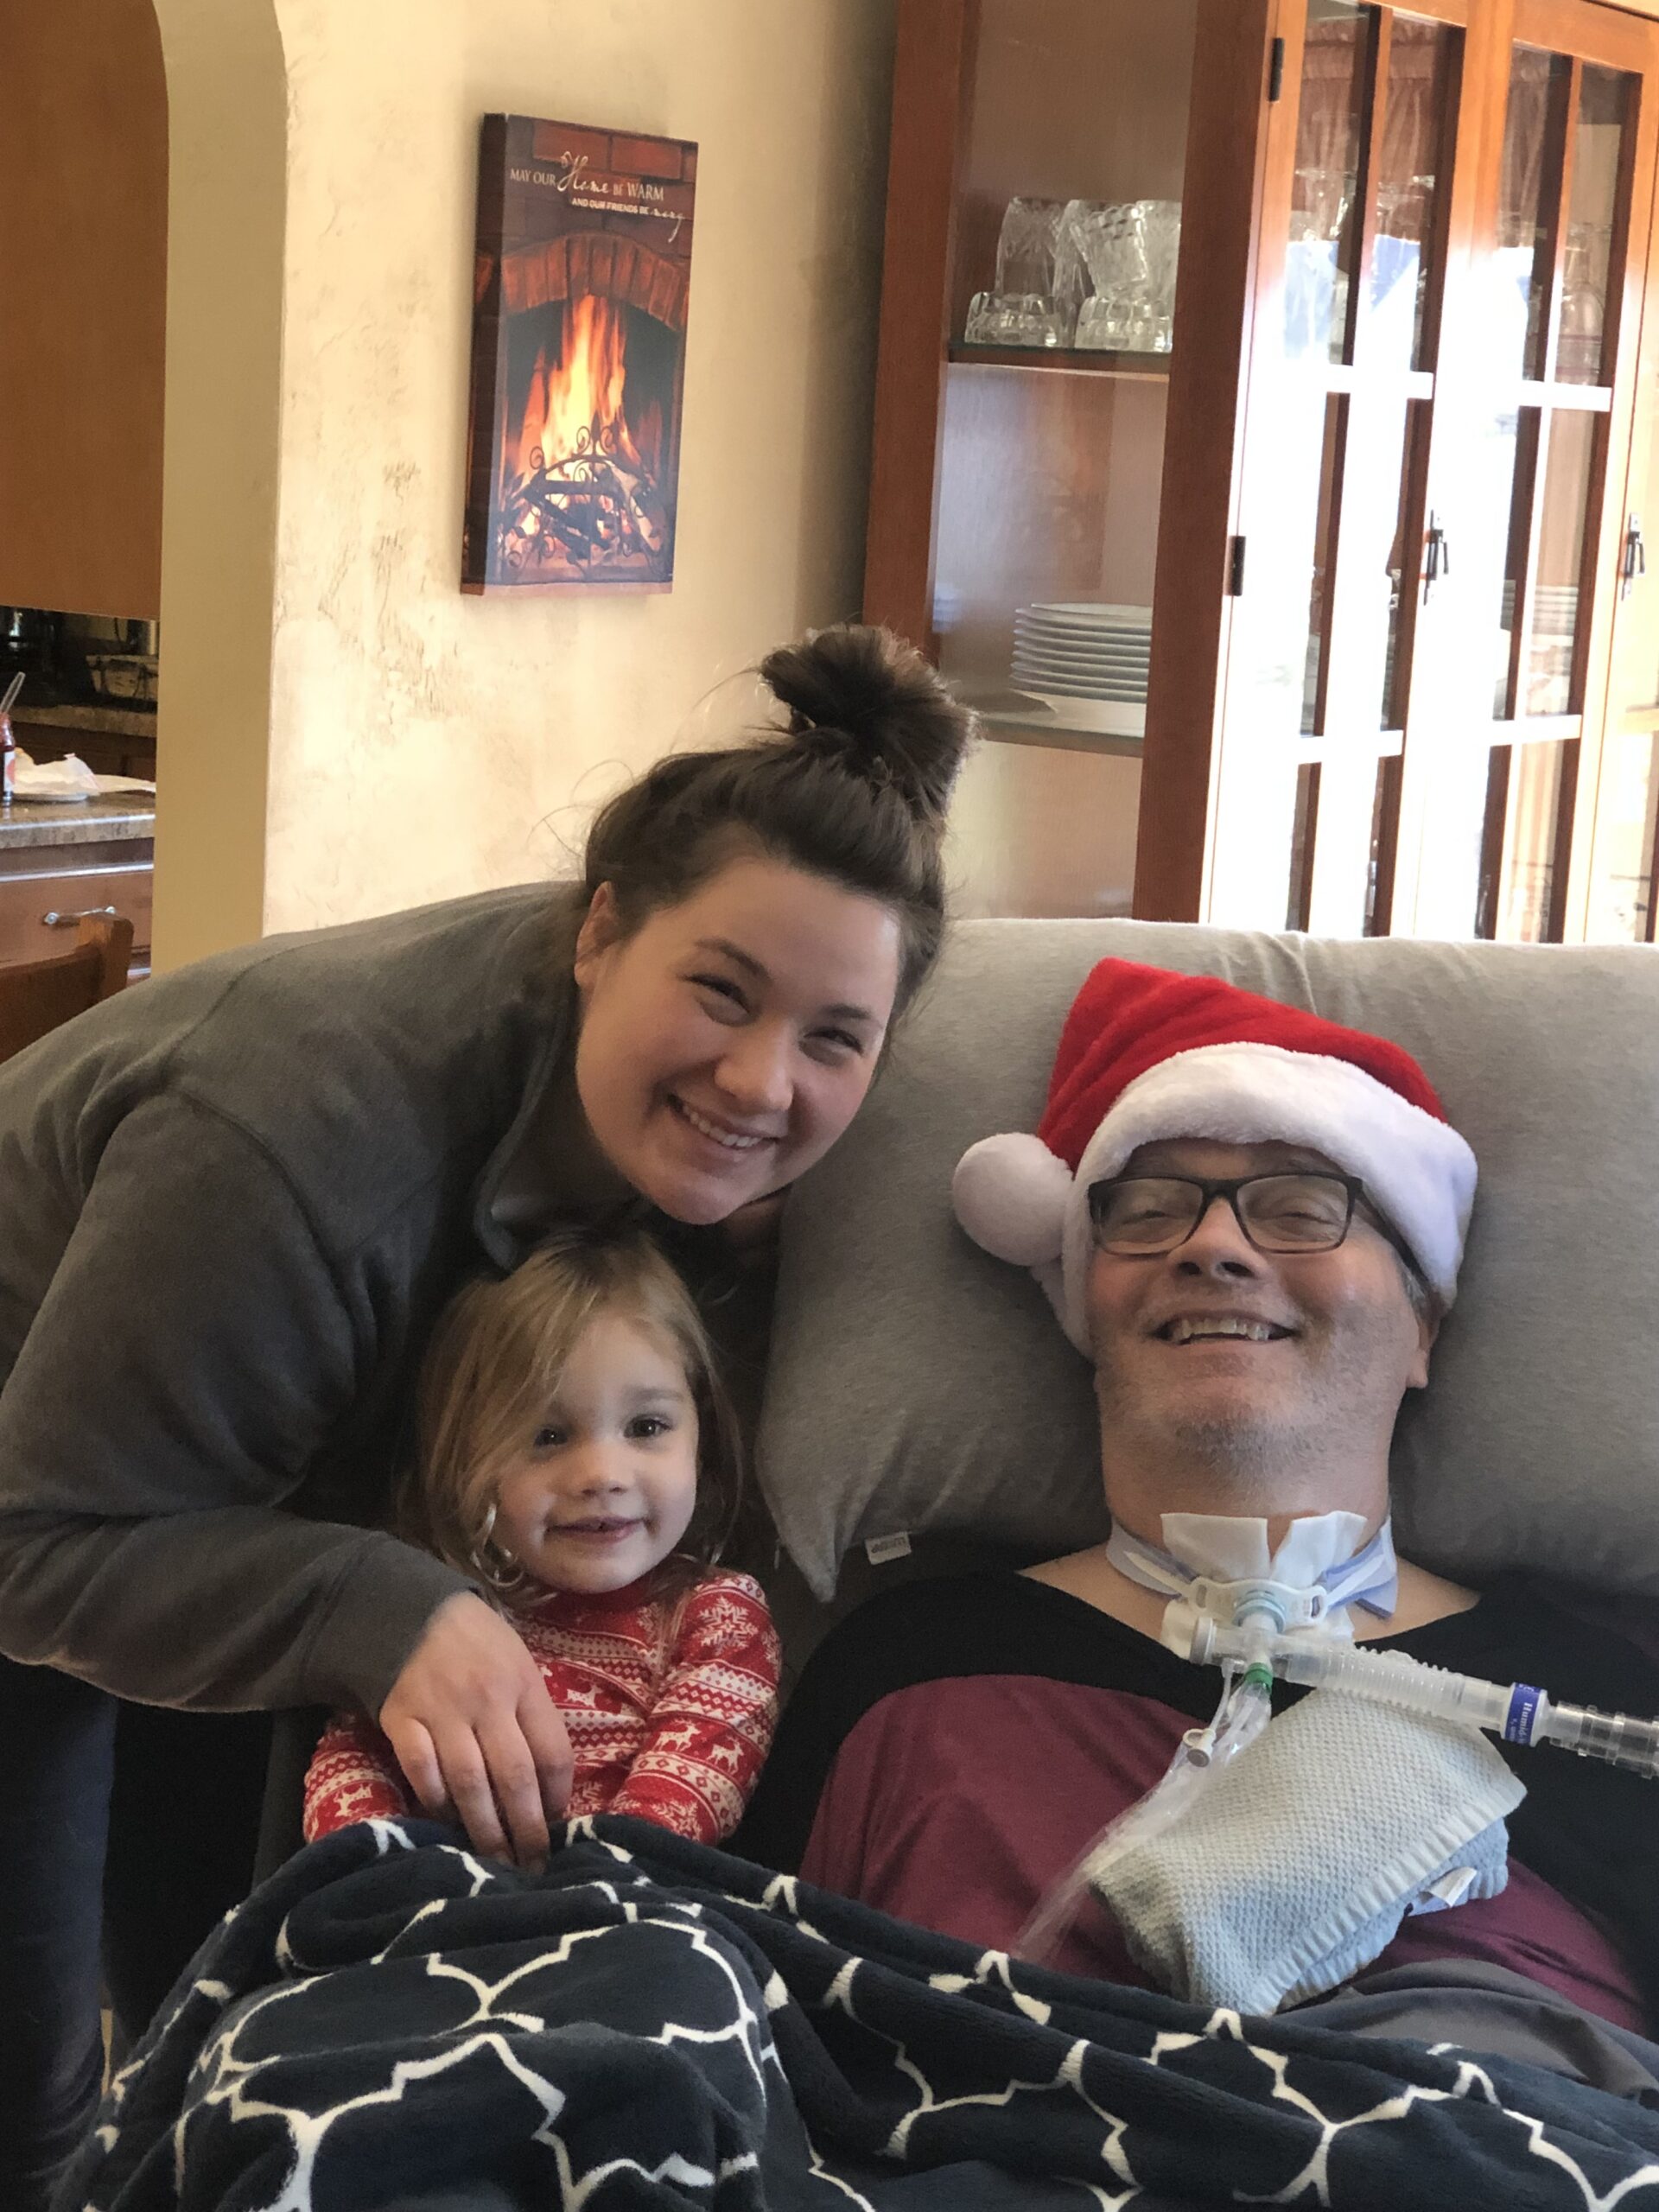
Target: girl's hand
[477,1735]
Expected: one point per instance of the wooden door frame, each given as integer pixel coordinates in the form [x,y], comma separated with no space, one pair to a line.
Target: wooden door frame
[1637,448]
[1203,447]
[1632,42]
[932,88]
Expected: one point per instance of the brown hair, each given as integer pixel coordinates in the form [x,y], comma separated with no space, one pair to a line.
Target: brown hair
[493,1367]
[854,789]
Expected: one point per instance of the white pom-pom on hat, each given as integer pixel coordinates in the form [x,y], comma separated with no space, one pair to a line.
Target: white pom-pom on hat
[1011,1193]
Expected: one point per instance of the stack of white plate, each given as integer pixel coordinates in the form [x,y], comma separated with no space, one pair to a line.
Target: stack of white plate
[1083,649]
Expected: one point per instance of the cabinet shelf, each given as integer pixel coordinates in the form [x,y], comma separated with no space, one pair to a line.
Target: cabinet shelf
[1062,360]
[1021,729]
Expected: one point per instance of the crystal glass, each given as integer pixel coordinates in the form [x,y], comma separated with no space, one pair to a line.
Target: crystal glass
[1160,225]
[1027,246]
[1016,319]
[1123,323]
[1103,325]
[1130,250]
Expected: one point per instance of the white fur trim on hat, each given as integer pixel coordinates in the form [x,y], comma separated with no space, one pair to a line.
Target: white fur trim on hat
[1011,1193]
[1417,1170]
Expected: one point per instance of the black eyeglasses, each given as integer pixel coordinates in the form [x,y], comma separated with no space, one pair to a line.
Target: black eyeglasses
[1139,1216]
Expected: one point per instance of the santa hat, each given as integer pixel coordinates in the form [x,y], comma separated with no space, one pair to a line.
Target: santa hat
[1146,1055]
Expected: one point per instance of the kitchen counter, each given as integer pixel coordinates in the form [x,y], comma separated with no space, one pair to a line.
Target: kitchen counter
[108,717]
[123,818]
[63,858]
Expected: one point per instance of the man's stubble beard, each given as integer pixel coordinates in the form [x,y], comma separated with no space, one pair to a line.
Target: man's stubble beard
[1234,1457]
[1237,1455]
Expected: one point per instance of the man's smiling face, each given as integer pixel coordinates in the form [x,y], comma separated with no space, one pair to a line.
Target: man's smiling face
[1248,1365]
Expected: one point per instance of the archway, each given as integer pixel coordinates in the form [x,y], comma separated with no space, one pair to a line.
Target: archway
[227,88]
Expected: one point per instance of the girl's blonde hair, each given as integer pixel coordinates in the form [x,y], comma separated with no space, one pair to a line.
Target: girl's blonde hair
[493,1368]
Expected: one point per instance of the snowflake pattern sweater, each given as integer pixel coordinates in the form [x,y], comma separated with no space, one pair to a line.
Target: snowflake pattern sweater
[670,1703]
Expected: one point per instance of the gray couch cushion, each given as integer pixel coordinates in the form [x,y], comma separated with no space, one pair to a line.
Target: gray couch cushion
[917,1384]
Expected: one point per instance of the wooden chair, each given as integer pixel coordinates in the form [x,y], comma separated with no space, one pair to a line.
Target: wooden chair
[37,995]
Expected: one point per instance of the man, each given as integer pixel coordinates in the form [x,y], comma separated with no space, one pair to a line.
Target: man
[1250,1221]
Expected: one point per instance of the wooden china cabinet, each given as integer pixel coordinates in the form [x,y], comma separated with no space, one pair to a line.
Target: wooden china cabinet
[1388,495]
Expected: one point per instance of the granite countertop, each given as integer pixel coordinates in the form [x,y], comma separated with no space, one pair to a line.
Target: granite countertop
[109,716]
[123,815]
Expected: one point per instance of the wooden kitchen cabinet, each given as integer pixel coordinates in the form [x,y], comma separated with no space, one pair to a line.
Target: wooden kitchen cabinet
[45,885]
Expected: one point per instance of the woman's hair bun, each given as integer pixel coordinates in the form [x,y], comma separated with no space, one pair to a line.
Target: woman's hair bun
[866,697]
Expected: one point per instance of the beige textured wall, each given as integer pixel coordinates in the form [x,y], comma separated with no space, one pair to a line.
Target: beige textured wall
[423,744]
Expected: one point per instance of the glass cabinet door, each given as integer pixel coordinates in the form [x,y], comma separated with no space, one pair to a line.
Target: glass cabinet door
[1053,404]
[1527,497]
[1358,242]
[1456,210]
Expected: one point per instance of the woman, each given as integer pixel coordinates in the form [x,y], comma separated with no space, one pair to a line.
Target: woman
[233,1202]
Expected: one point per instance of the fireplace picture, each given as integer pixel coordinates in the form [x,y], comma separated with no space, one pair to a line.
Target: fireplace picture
[581,282]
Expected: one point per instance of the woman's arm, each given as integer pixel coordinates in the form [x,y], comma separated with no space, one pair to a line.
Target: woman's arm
[713,1717]
[194,1352]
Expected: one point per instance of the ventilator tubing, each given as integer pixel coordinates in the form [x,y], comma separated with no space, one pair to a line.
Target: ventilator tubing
[1203,1754]
[1250,1653]
[1517,1712]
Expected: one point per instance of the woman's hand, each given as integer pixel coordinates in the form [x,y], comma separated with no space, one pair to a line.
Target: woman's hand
[476,1734]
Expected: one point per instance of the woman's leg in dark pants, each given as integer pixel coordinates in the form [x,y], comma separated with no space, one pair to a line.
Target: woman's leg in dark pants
[183,1829]
[153,1815]
[57,1742]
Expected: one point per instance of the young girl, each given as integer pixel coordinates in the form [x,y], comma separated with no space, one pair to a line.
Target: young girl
[577,1455]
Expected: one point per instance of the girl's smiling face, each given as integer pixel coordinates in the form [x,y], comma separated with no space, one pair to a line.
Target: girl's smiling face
[729,1041]
[604,1488]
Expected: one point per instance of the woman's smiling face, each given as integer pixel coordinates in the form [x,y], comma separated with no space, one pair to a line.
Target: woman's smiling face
[729,1041]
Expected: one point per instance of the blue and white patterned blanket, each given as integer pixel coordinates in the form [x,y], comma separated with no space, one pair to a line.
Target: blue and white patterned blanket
[391,2023]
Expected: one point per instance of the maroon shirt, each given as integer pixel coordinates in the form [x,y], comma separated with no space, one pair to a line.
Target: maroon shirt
[955,1745]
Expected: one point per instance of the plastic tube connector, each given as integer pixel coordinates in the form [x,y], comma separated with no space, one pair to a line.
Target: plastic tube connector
[1614,1737]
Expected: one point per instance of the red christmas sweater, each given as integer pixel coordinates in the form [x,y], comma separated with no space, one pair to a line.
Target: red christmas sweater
[670,1703]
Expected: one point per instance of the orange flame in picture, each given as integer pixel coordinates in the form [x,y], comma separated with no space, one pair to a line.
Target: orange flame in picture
[577,402]
[576,495]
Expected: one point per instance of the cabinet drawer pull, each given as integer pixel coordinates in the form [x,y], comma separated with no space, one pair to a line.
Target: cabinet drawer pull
[56,921]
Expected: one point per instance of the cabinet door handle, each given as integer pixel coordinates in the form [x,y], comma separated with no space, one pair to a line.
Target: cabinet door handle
[1634,561]
[1438,562]
[57,921]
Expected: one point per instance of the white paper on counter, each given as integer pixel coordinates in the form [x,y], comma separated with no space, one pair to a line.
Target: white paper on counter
[52,782]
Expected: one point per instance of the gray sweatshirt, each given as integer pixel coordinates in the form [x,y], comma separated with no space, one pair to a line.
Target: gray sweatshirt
[232,1202]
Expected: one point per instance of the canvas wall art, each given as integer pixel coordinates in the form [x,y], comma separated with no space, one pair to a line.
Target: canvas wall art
[581,283]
